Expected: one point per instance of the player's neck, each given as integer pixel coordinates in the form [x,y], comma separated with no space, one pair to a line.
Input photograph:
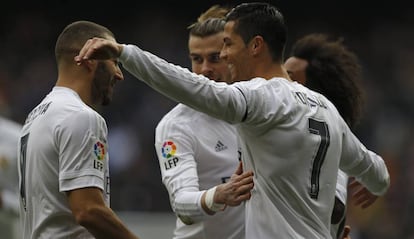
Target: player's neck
[271,70]
[79,86]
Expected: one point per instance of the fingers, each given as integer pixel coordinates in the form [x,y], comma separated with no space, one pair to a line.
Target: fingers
[242,175]
[246,179]
[237,189]
[96,48]
[354,184]
[240,180]
[242,194]
[239,169]
[347,232]
[364,198]
[366,201]
[242,197]
[83,53]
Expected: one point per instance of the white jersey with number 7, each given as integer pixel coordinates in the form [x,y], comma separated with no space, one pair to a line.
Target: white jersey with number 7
[292,138]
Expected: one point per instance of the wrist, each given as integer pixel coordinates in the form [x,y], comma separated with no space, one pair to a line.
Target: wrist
[209,200]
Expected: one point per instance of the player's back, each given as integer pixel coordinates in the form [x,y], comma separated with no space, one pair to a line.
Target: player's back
[44,207]
[293,140]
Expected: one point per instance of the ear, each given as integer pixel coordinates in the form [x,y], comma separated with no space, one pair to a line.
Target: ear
[90,65]
[256,44]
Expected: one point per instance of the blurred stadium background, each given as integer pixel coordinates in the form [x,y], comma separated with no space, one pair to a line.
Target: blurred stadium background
[380,32]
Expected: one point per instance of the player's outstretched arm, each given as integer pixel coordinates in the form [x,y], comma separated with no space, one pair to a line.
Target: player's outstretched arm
[222,101]
[232,193]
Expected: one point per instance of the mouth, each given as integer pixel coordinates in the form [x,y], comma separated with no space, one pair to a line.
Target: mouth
[213,78]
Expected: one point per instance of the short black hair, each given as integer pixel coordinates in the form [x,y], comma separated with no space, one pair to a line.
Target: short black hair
[257,18]
[74,36]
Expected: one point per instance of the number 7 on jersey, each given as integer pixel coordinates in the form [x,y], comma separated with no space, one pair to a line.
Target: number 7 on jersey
[319,128]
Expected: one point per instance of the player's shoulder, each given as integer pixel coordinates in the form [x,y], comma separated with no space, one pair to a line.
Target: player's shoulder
[251,84]
[181,114]
[81,121]
[259,86]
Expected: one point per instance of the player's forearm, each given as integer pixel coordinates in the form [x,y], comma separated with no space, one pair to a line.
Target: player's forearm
[376,178]
[188,204]
[209,202]
[102,223]
[226,103]
[370,170]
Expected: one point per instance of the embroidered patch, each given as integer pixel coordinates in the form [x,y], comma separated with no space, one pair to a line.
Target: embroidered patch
[168,149]
[99,150]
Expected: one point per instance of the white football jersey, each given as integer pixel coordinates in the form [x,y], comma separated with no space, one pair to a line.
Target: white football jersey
[10,133]
[197,152]
[292,138]
[63,147]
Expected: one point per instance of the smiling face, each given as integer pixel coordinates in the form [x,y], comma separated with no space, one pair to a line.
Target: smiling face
[205,57]
[236,54]
[107,74]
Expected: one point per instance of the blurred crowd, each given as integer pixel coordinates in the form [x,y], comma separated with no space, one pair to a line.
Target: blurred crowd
[382,37]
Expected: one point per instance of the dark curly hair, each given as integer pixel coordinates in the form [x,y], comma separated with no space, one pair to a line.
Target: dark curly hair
[334,71]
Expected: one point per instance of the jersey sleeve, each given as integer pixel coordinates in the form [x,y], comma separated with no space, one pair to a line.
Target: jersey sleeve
[216,99]
[82,144]
[367,167]
[175,147]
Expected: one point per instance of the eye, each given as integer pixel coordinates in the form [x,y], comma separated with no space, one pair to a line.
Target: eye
[215,57]
[196,59]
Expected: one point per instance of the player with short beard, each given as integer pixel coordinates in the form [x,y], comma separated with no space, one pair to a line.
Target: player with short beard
[63,160]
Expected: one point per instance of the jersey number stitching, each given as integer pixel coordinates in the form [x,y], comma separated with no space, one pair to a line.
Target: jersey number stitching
[319,128]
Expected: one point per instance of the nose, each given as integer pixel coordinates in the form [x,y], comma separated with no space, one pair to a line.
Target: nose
[206,68]
[118,74]
[223,52]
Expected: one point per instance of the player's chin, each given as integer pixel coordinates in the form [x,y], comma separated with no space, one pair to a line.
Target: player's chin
[214,78]
[106,99]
